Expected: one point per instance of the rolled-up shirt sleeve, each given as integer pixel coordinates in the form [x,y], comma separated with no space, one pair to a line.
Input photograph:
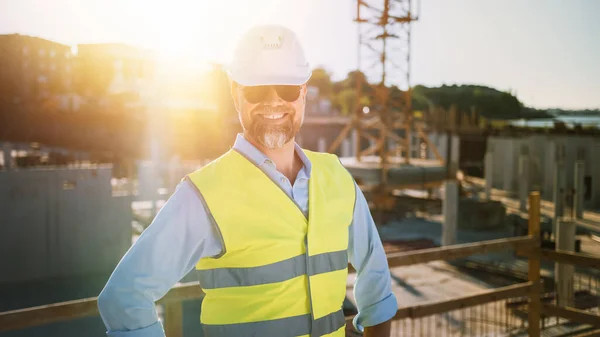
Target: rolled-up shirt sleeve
[180,234]
[373,294]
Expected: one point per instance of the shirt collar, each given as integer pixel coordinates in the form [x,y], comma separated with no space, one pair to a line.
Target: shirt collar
[260,159]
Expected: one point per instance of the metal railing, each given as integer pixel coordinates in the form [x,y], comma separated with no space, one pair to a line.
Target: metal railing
[473,308]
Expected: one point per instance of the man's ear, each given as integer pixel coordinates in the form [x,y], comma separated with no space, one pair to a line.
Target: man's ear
[304,91]
[235,95]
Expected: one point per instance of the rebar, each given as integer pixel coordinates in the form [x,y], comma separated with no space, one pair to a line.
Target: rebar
[462,322]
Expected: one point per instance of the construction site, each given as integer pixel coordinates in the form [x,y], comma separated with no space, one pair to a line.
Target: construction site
[490,229]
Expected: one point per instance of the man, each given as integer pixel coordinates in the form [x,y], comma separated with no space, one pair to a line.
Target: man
[269,227]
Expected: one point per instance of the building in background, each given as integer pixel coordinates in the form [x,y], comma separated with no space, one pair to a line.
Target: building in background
[83,99]
[110,73]
[33,70]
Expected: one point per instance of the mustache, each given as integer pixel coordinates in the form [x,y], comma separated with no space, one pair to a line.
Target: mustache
[268,109]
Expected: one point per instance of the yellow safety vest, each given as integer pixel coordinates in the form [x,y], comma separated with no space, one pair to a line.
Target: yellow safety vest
[281,274]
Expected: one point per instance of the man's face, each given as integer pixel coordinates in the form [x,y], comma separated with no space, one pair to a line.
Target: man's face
[270,115]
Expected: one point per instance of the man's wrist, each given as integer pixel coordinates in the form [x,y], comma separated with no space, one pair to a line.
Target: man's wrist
[379,330]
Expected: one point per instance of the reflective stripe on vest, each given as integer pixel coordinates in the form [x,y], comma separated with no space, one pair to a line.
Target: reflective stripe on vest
[281,274]
[274,272]
[283,327]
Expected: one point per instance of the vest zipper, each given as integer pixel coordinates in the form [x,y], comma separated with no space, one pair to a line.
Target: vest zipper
[312,316]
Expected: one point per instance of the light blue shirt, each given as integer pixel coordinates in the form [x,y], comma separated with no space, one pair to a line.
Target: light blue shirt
[181,234]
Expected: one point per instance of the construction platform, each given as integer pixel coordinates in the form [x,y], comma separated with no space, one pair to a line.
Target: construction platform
[419,173]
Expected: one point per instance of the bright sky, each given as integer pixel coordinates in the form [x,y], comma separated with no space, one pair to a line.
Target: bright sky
[546,51]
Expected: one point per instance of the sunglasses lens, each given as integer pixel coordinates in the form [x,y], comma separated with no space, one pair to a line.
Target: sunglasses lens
[255,94]
[289,93]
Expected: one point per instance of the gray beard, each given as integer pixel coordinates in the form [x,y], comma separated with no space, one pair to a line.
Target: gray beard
[270,136]
[274,139]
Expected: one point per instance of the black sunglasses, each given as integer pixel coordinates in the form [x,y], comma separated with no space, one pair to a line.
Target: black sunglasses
[257,94]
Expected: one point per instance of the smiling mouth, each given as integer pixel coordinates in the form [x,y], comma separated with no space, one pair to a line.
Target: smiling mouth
[274,116]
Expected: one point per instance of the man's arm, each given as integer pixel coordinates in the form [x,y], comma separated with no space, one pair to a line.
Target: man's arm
[373,292]
[167,250]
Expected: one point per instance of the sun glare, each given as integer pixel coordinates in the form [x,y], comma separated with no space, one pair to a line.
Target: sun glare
[195,32]
[188,36]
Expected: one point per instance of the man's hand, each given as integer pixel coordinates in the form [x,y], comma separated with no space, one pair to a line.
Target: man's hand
[379,330]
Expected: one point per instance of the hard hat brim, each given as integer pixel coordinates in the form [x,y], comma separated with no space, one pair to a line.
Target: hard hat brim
[268,80]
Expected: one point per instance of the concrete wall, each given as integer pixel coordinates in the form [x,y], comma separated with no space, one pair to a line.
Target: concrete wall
[542,148]
[539,157]
[60,223]
[467,151]
[440,141]
[505,160]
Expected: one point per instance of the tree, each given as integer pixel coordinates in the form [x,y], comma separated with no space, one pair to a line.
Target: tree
[321,79]
[345,101]
[491,103]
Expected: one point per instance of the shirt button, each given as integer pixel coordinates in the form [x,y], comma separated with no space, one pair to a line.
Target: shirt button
[282,179]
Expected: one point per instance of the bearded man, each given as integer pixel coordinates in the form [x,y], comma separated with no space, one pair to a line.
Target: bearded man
[269,227]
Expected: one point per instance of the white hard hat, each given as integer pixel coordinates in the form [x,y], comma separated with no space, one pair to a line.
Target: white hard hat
[269,55]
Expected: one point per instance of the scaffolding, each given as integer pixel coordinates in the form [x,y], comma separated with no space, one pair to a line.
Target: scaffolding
[383,53]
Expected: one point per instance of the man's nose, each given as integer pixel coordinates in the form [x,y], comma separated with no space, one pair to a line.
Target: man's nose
[272,98]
